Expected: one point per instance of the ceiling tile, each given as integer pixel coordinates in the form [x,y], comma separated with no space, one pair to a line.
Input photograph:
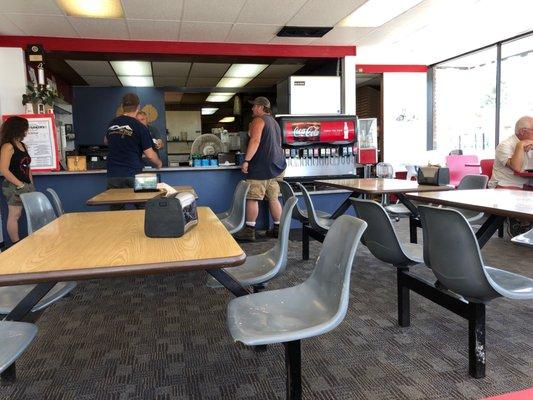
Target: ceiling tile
[170,81]
[267,82]
[277,13]
[324,13]
[43,25]
[202,82]
[143,29]
[208,70]
[279,70]
[252,33]
[291,40]
[101,80]
[342,36]
[100,68]
[163,10]
[171,69]
[194,98]
[9,28]
[212,10]
[30,6]
[173,97]
[100,27]
[203,32]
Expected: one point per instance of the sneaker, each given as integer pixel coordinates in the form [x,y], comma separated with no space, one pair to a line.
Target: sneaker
[246,234]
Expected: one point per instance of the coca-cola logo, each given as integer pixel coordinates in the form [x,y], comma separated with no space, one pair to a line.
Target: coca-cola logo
[307,131]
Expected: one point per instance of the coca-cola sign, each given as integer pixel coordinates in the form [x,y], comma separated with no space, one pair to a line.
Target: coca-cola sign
[333,131]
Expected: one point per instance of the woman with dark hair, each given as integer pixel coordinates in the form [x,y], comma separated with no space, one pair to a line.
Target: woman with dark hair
[15,167]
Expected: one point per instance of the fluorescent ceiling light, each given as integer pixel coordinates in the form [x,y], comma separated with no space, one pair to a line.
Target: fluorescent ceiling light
[132,68]
[245,70]
[376,12]
[219,97]
[233,82]
[136,81]
[209,111]
[227,119]
[92,8]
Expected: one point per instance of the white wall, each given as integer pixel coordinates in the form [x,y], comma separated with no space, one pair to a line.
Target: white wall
[12,80]
[404,118]
[184,121]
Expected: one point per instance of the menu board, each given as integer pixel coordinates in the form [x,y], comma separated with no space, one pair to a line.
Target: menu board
[310,131]
[41,141]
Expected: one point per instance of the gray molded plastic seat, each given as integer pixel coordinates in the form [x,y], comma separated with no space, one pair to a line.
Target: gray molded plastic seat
[235,217]
[56,201]
[525,239]
[316,222]
[15,337]
[298,213]
[261,268]
[452,252]
[310,309]
[472,182]
[380,237]
[39,212]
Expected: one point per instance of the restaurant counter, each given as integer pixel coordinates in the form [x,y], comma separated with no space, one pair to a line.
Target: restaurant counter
[214,186]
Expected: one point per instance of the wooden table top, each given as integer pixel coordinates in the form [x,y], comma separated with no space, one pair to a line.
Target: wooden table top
[112,243]
[504,202]
[381,185]
[127,196]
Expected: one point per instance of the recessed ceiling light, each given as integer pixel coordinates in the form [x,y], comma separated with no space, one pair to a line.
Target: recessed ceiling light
[227,119]
[233,82]
[132,68]
[139,81]
[219,97]
[209,111]
[92,8]
[375,13]
[245,70]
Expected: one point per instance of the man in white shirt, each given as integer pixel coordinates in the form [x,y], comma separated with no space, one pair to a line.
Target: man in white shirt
[514,154]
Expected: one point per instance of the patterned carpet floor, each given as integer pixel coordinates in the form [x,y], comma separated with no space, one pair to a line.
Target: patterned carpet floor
[164,337]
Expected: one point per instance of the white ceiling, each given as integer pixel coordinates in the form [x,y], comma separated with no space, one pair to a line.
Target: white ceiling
[429,32]
[180,74]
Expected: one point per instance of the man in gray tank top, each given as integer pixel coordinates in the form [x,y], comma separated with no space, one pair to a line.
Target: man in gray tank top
[264,166]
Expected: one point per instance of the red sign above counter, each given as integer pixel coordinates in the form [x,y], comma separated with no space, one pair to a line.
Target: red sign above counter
[309,130]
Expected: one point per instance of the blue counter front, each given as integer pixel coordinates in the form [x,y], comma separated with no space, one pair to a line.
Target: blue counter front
[214,186]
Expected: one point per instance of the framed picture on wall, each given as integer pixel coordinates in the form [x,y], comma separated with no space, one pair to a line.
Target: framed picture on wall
[41,141]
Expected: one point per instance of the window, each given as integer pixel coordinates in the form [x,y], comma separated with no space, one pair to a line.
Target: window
[464,103]
[516,83]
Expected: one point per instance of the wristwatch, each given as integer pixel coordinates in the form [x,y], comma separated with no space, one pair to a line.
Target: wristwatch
[248,161]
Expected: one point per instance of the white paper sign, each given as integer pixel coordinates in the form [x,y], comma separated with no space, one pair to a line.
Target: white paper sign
[41,142]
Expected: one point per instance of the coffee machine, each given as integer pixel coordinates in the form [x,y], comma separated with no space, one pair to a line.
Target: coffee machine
[319,146]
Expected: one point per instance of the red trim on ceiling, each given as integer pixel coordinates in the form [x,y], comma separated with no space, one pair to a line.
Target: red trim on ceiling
[185,48]
[377,69]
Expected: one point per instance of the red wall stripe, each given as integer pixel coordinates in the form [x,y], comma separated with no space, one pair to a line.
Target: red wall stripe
[182,48]
[377,69]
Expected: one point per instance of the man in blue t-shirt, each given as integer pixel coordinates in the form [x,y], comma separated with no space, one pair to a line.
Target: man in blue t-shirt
[128,140]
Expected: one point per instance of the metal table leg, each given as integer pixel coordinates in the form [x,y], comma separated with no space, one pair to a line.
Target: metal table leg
[414,221]
[305,242]
[229,282]
[486,231]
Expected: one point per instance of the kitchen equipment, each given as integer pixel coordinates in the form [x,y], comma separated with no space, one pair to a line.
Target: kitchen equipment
[206,145]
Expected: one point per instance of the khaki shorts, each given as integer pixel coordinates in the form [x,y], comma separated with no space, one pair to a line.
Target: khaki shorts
[12,194]
[264,189]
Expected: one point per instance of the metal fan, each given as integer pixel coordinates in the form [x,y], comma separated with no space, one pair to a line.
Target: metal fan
[206,145]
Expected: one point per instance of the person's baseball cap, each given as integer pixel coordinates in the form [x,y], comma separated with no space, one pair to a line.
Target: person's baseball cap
[260,101]
[130,99]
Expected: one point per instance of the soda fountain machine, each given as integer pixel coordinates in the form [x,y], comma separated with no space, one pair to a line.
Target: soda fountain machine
[319,146]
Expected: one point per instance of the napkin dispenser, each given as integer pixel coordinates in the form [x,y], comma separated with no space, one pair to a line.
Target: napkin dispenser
[170,217]
[436,176]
